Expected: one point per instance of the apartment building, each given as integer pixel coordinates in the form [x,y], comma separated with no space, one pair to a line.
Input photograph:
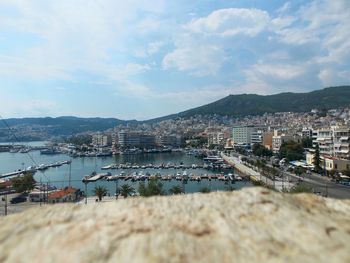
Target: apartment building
[101,140]
[216,138]
[247,135]
[170,140]
[135,139]
[333,141]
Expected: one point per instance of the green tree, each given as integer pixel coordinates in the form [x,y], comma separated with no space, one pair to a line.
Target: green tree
[299,170]
[317,158]
[175,190]
[307,142]
[23,183]
[153,187]
[260,150]
[292,151]
[126,190]
[301,188]
[100,191]
[204,190]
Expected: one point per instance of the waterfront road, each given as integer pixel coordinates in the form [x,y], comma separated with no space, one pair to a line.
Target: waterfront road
[323,185]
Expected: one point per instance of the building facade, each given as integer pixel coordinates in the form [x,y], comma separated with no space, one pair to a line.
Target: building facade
[135,139]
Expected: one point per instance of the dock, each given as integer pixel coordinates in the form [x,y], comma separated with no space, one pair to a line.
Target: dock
[207,166]
[94,177]
[34,169]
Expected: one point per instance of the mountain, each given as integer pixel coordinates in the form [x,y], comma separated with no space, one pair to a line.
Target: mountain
[232,105]
[43,128]
[252,104]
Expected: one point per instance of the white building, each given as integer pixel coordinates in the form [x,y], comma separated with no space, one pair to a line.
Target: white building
[101,140]
[247,135]
[216,138]
[333,141]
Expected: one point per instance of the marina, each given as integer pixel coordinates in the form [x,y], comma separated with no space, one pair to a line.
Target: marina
[167,167]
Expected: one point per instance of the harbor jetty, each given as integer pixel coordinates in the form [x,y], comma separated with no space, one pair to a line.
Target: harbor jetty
[206,165]
[33,169]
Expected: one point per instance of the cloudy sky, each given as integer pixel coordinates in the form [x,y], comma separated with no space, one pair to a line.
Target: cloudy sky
[139,59]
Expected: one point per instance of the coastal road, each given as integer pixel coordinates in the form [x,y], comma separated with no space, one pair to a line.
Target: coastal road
[323,185]
[320,184]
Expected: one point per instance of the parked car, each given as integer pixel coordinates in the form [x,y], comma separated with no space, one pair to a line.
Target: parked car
[18,199]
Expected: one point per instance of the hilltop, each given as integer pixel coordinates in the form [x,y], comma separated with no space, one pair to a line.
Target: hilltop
[252,104]
[250,225]
[43,128]
[232,105]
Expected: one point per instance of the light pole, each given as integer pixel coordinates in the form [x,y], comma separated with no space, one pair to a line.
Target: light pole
[85,192]
[116,189]
[6,205]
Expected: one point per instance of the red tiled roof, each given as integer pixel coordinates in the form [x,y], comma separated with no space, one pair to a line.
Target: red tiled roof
[7,183]
[62,193]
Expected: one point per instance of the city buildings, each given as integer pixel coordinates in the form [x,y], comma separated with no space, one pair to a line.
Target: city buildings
[329,163]
[135,139]
[242,135]
[333,141]
[101,140]
[247,135]
[170,140]
[68,194]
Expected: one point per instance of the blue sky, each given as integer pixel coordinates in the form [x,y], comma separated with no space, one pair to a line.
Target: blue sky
[140,59]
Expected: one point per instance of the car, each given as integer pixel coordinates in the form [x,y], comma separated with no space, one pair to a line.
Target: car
[18,199]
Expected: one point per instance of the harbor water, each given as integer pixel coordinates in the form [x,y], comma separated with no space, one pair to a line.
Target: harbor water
[82,166]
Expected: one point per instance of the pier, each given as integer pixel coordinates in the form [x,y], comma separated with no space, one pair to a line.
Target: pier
[140,176]
[33,169]
[208,166]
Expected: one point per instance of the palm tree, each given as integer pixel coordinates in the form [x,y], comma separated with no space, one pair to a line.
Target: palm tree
[175,190]
[126,190]
[100,191]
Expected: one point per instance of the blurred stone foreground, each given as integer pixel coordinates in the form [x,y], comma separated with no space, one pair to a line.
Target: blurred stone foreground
[251,225]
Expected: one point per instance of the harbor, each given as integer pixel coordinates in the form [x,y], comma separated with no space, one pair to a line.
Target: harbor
[167,167]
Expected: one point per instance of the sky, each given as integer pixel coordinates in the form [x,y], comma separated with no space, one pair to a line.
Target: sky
[140,59]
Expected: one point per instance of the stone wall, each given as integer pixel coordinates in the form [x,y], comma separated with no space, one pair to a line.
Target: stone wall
[251,225]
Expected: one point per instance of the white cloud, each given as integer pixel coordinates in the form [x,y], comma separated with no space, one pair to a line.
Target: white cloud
[279,71]
[284,8]
[73,36]
[330,77]
[199,60]
[151,49]
[231,22]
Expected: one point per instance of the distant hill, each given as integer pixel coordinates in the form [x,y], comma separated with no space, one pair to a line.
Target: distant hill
[232,105]
[252,104]
[42,128]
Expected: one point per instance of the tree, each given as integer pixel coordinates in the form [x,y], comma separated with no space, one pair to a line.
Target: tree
[175,190]
[307,142]
[153,187]
[260,150]
[317,158]
[23,183]
[301,188]
[299,170]
[292,151]
[204,190]
[100,191]
[126,190]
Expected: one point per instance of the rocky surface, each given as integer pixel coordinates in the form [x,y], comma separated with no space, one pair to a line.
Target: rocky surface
[251,225]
